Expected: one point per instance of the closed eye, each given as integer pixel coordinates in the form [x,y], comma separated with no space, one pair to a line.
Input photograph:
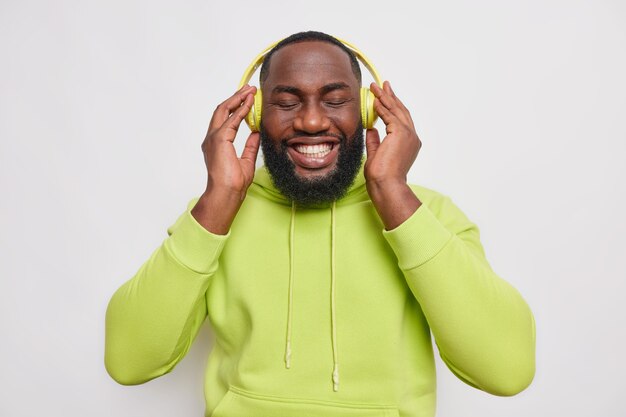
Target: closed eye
[336,103]
[286,105]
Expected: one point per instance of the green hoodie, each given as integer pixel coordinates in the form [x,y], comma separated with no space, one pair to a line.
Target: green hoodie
[322,312]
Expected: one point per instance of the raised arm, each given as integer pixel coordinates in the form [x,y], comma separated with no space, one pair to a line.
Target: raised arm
[152,319]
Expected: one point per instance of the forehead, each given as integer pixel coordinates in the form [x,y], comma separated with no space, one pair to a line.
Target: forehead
[310,62]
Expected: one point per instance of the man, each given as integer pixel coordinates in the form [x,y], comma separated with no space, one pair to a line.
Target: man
[322,276]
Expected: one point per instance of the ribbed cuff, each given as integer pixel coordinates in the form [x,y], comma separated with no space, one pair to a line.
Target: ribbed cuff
[418,238]
[194,246]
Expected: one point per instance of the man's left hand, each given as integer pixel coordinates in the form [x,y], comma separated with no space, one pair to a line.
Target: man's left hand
[388,161]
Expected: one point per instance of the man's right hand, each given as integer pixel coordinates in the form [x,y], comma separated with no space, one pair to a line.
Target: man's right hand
[228,177]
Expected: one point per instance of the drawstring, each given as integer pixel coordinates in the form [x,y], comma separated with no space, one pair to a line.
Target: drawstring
[290,308]
[332,300]
[335,374]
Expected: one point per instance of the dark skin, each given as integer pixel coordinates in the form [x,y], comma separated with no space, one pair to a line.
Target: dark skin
[310,96]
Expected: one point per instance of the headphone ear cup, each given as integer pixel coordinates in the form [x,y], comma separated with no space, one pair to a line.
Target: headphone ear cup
[253,118]
[368,115]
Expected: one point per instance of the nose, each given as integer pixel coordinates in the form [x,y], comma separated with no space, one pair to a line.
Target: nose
[311,119]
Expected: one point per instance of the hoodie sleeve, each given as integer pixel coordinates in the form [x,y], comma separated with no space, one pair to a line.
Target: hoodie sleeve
[152,319]
[483,328]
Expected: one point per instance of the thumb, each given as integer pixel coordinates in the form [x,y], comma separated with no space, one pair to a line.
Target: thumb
[372,141]
[251,149]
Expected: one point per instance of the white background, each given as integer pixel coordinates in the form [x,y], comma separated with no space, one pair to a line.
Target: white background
[521,108]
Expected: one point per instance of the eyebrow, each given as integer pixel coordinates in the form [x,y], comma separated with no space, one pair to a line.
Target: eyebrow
[334,86]
[286,89]
[297,92]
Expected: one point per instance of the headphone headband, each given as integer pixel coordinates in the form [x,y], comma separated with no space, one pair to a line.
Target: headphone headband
[261,57]
[368,114]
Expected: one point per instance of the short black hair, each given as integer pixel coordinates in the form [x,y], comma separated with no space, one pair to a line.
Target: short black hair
[310,35]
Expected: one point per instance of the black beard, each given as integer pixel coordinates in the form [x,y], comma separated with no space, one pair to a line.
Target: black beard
[318,190]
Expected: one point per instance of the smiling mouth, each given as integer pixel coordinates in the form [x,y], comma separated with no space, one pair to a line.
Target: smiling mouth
[316,155]
[314,151]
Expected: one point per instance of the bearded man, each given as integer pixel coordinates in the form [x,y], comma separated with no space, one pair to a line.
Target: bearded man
[323,273]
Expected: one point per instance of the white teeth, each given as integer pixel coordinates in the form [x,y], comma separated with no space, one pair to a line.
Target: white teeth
[316,151]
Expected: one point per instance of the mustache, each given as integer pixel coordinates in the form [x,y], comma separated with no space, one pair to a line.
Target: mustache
[283,141]
[313,135]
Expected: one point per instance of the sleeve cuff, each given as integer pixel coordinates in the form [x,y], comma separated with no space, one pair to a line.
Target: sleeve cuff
[194,246]
[418,238]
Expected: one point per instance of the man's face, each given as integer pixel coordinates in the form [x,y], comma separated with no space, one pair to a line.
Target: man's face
[311,131]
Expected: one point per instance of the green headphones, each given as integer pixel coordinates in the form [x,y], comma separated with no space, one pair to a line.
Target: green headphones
[368,115]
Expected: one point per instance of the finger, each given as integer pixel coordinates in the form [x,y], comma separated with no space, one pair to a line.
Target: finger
[376,89]
[393,94]
[251,150]
[384,113]
[372,141]
[391,102]
[387,88]
[400,103]
[384,96]
[235,119]
[225,108]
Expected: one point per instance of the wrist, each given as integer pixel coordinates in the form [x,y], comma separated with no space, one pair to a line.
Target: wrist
[223,195]
[216,210]
[393,200]
[381,188]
